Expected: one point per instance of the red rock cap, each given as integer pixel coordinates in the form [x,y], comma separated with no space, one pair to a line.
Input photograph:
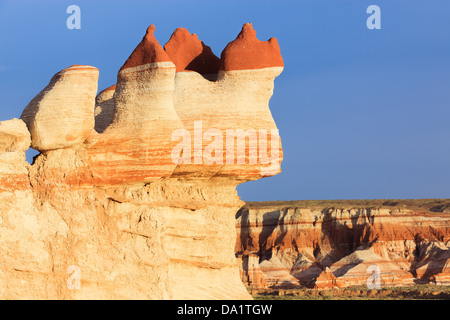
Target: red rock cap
[247,52]
[75,69]
[188,53]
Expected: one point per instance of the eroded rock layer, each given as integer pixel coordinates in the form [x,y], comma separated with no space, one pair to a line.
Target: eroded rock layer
[133,195]
[326,244]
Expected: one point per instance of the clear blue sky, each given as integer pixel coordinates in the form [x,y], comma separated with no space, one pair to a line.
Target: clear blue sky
[362,114]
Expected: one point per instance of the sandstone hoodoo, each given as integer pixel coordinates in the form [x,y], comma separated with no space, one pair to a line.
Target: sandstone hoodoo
[14,136]
[134,192]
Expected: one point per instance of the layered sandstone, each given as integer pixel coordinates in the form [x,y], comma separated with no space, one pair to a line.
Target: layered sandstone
[14,136]
[133,195]
[326,244]
[14,141]
[61,115]
[189,53]
[232,111]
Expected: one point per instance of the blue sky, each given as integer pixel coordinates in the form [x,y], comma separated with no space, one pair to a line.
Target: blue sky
[363,114]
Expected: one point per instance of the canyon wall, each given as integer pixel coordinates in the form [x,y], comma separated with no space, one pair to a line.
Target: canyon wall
[327,244]
[133,194]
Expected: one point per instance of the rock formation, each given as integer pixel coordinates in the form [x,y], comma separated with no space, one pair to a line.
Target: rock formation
[133,194]
[14,141]
[326,244]
[188,53]
[326,279]
[61,115]
[104,109]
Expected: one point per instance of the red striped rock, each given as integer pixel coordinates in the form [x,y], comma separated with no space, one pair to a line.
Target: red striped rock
[276,275]
[407,244]
[148,51]
[325,280]
[14,136]
[442,278]
[13,173]
[250,272]
[433,261]
[14,141]
[365,267]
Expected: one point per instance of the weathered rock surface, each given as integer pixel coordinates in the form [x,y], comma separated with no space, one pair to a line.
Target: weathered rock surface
[144,120]
[188,53]
[107,211]
[247,52]
[401,242]
[14,136]
[326,279]
[14,141]
[229,110]
[104,109]
[61,115]
[433,261]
